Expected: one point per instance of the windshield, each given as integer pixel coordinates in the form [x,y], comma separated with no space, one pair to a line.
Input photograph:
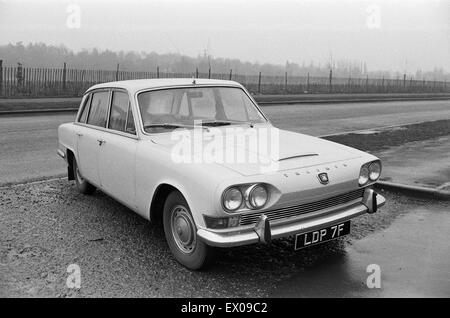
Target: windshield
[162,110]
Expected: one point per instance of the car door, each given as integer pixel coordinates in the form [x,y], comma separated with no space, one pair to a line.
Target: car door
[90,133]
[118,151]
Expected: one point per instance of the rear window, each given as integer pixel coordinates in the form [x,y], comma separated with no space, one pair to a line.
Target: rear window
[99,109]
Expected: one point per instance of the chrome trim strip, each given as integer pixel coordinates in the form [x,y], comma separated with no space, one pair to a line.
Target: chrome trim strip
[298,156]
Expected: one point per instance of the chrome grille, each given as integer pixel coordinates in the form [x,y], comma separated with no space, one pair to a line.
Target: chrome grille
[291,211]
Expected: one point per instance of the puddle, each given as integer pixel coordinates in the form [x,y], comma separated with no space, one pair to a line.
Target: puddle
[413,255]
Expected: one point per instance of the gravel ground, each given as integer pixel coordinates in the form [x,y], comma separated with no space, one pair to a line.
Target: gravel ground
[47,226]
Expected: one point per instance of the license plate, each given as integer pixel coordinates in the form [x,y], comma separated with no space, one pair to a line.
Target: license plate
[326,234]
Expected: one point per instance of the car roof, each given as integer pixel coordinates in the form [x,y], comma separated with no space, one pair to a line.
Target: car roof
[137,85]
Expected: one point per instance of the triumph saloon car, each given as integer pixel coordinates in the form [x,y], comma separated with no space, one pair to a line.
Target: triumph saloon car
[143,143]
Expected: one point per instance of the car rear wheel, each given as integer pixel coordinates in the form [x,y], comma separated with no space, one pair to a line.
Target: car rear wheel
[83,186]
[181,234]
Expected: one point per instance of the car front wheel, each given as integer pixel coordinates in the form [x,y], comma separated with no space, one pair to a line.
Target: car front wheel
[181,234]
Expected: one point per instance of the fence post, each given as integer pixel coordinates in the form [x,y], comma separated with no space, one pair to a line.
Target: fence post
[285,82]
[157,72]
[19,75]
[196,72]
[231,73]
[209,73]
[64,77]
[330,79]
[259,83]
[404,80]
[382,85]
[367,83]
[307,83]
[117,72]
[1,77]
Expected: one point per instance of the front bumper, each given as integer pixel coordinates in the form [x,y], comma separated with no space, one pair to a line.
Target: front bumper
[264,232]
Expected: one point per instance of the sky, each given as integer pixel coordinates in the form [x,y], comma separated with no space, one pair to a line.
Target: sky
[395,35]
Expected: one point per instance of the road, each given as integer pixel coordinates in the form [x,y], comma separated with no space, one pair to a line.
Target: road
[28,142]
[322,119]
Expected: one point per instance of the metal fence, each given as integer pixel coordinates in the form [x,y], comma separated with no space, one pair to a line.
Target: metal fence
[39,82]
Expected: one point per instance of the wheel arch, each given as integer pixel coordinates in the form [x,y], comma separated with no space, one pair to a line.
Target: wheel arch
[159,198]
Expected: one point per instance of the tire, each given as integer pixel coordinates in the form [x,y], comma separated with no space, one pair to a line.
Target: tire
[83,186]
[185,246]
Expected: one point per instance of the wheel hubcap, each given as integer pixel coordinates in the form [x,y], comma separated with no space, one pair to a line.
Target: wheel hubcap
[183,229]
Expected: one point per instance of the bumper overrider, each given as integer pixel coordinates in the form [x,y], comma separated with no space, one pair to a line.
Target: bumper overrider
[264,232]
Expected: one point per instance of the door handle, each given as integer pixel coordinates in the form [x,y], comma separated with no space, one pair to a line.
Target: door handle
[79,134]
[101,142]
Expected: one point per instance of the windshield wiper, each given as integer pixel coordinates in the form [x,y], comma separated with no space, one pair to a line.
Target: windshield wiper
[173,126]
[225,123]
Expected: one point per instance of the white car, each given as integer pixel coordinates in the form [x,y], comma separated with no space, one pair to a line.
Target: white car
[200,156]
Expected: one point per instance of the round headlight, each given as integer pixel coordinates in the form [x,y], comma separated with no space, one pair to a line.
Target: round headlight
[232,199]
[374,170]
[258,196]
[363,176]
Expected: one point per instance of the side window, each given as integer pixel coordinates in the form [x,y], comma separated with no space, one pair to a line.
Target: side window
[119,109]
[131,129]
[85,110]
[99,109]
